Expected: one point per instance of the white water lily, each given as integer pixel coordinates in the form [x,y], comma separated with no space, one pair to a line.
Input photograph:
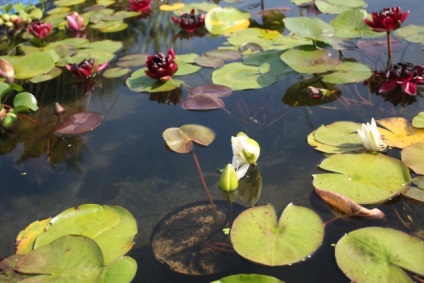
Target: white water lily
[245,152]
[371,138]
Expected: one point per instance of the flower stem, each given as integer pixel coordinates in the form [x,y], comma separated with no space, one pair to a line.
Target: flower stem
[389,49]
[215,216]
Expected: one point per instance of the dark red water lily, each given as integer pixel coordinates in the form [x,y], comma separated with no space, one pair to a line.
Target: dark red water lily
[404,75]
[142,6]
[160,66]
[87,68]
[40,29]
[189,22]
[387,19]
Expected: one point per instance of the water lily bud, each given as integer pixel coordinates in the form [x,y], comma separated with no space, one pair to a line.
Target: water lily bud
[3,112]
[371,138]
[6,69]
[228,181]
[10,120]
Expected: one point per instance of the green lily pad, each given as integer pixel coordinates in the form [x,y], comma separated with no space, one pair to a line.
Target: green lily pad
[329,148]
[122,270]
[348,72]
[248,278]
[107,45]
[140,82]
[339,134]
[376,254]
[418,121]
[26,238]
[351,24]
[24,102]
[209,61]
[310,62]
[310,28]
[32,65]
[226,20]
[260,237]
[65,3]
[112,227]
[338,7]
[180,139]
[54,73]
[116,72]
[412,156]
[110,26]
[71,258]
[186,64]
[239,76]
[361,177]
[132,60]
[412,33]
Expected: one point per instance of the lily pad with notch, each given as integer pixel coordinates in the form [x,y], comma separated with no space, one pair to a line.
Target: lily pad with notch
[180,139]
[206,97]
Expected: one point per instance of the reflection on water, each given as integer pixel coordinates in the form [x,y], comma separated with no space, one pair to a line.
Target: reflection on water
[124,161]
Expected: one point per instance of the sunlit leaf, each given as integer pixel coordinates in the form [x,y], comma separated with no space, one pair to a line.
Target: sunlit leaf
[172,7]
[329,148]
[310,28]
[122,270]
[248,278]
[343,206]
[32,65]
[132,60]
[24,102]
[186,64]
[202,6]
[106,45]
[116,72]
[363,178]
[339,134]
[376,254]
[412,33]
[54,73]
[418,121]
[351,24]
[226,20]
[26,238]
[316,61]
[413,157]
[259,236]
[112,227]
[180,139]
[140,82]
[79,123]
[71,258]
[348,72]
[110,26]
[61,3]
[400,132]
[338,7]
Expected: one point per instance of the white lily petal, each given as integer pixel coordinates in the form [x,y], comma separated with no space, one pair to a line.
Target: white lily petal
[241,171]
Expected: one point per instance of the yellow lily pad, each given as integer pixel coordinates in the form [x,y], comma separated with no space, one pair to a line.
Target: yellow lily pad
[400,133]
[26,238]
[173,7]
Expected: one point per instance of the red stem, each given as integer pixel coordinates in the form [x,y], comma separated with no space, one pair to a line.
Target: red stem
[389,50]
[215,216]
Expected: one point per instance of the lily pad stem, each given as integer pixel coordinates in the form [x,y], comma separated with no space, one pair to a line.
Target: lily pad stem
[215,216]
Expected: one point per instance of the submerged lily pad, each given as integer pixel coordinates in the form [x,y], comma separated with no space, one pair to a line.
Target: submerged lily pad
[112,227]
[309,62]
[376,254]
[180,139]
[79,123]
[259,236]
[363,178]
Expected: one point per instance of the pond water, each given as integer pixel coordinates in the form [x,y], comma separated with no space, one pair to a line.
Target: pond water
[125,161]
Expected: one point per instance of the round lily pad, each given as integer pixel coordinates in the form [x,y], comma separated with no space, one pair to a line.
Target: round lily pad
[209,61]
[364,178]
[339,134]
[259,236]
[376,254]
[213,90]
[79,123]
[309,62]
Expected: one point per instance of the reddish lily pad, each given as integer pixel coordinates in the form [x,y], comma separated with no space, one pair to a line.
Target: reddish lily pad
[202,102]
[79,123]
[213,90]
[180,139]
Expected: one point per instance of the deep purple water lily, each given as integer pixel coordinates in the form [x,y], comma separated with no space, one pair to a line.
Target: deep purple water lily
[189,22]
[160,66]
[387,19]
[142,6]
[86,69]
[40,29]
[404,75]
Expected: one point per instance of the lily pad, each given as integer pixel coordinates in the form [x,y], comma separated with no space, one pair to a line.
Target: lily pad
[140,82]
[329,148]
[209,61]
[202,102]
[186,64]
[416,189]
[350,24]
[227,55]
[122,270]
[180,139]
[400,132]
[412,33]
[348,72]
[54,73]
[26,238]
[112,227]
[116,72]
[310,28]
[248,278]
[172,7]
[214,90]
[361,177]
[413,155]
[339,134]
[132,60]
[7,268]
[32,65]
[376,254]
[338,7]
[71,258]
[418,121]
[79,123]
[309,62]
[226,20]
[260,237]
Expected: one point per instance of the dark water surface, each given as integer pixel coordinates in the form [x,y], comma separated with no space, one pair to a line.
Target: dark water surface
[124,161]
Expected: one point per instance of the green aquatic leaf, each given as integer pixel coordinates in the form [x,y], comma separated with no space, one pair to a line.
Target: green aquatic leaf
[310,62]
[110,26]
[412,33]
[259,236]
[116,72]
[140,82]
[361,177]
[376,254]
[226,20]
[186,64]
[412,156]
[180,139]
[122,270]
[339,134]
[310,28]
[112,227]
[24,102]
[351,24]
[32,65]
[248,278]
[418,121]
[54,73]
[348,72]
[338,7]
[71,258]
